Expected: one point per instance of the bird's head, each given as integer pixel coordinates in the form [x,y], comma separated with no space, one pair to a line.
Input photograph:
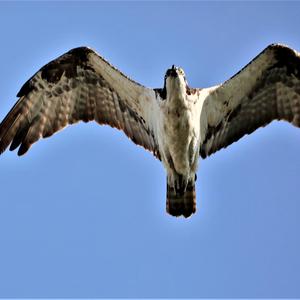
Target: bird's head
[175,81]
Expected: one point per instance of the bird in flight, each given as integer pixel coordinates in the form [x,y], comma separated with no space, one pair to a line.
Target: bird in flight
[176,123]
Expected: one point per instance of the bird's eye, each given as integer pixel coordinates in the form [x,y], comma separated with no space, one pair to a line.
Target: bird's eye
[181,72]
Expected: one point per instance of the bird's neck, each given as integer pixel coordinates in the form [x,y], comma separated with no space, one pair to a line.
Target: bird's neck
[176,93]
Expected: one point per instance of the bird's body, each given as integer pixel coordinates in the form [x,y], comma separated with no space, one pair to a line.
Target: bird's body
[179,125]
[179,140]
[176,123]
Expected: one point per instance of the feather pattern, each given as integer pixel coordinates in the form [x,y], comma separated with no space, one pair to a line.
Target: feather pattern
[267,89]
[78,86]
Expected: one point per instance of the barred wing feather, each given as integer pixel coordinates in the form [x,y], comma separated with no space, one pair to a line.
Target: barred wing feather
[267,89]
[79,86]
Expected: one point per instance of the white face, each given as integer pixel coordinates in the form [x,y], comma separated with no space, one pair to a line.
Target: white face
[180,71]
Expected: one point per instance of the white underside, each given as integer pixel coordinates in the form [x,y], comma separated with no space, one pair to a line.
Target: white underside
[179,132]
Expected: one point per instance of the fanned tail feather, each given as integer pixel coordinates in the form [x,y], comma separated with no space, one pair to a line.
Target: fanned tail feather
[181,202]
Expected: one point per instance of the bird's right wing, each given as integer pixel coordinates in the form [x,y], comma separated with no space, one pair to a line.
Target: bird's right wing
[79,86]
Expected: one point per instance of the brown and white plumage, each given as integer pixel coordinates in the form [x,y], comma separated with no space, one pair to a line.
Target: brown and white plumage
[267,89]
[175,123]
[77,86]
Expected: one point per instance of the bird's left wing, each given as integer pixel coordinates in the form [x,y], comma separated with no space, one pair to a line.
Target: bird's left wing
[267,89]
[79,86]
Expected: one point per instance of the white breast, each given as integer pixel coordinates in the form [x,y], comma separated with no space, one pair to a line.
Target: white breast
[179,133]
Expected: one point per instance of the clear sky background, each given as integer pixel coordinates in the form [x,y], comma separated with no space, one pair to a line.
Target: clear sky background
[83,213]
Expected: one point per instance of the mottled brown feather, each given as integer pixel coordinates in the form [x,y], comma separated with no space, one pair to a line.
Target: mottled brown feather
[274,95]
[67,90]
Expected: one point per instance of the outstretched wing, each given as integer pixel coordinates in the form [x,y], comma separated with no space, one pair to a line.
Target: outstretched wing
[79,86]
[267,89]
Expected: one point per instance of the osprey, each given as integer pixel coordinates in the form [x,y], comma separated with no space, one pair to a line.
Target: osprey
[176,123]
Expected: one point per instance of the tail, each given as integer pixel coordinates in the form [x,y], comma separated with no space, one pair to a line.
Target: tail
[181,202]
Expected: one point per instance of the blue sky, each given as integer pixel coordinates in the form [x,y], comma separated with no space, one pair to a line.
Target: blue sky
[83,213]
